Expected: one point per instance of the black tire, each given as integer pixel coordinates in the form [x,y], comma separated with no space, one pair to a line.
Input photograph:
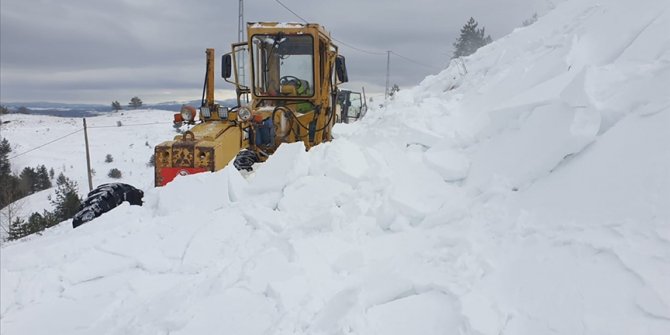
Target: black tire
[103,199]
[245,160]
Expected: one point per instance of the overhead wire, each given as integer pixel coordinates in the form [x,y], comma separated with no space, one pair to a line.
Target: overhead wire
[129,125]
[415,62]
[89,127]
[45,144]
[289,9]
[378,53]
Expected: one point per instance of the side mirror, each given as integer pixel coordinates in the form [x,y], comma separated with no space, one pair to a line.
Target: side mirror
[341,69]
[226,66]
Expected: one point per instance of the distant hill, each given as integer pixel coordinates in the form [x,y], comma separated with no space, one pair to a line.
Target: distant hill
[88,110]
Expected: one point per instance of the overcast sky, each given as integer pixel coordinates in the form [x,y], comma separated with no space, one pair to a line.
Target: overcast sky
[98,51]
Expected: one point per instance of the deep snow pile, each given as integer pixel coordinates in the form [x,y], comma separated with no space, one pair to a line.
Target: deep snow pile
[523,190]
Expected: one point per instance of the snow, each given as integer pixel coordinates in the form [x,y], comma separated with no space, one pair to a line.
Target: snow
[523,190]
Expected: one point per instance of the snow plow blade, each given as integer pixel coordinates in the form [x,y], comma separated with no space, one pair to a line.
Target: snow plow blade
[105,198]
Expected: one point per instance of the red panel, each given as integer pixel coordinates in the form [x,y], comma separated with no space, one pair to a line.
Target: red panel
[169,174]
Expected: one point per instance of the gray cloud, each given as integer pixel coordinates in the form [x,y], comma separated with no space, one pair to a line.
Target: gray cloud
[96,51]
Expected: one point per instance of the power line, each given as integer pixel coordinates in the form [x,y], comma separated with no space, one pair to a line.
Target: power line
[378,53]
[131,125]
[76,131]
[415,62]
[289,9]
[45,144]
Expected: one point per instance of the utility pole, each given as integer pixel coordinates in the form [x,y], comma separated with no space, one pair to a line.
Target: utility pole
[388,73]
[240,21]
[240,38]
[88,159]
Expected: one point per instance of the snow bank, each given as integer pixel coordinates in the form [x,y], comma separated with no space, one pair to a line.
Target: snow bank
[523,190]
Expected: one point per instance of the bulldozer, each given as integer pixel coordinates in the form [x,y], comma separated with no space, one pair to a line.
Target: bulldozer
[286,79]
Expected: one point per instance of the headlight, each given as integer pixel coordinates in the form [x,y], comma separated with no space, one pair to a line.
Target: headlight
[187,113]
[204,111]
[244,113]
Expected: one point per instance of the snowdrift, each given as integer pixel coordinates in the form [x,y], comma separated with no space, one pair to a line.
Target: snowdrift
[523,190]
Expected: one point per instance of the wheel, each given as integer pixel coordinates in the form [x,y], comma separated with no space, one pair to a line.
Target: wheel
[103,199]
[245,160]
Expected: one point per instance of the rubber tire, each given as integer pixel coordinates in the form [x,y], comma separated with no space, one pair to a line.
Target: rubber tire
[245,160]
[105,198]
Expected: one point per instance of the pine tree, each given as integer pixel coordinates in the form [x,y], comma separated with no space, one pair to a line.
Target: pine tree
[10,190]
[135,102]
[17,229]
[28,181]
[67,200]
[394,89]
[529,21]
[116,106]
[5,150]
[9,184]
[470,39]
[42,181]
[36,223]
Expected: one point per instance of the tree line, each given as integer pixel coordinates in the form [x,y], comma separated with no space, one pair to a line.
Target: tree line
[14,187]
[134,103]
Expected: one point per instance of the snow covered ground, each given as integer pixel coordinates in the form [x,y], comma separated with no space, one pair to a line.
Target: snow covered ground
[523,190]
[127,136]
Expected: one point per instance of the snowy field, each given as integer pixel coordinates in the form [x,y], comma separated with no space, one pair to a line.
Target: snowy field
[128,136]
[523,190]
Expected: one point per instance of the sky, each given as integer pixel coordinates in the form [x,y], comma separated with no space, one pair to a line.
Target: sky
[83,51]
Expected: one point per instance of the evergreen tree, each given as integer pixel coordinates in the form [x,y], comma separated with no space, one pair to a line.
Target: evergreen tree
[135,102]
[114,173]
[394,90]
[28,181]
[67,200]
[36,223]
[471,39]
[10,190]
[116,106]
[10,185]
[5,150]
[17,229]
[43,181]
[529,21]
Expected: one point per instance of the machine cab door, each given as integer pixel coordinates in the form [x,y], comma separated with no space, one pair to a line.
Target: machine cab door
[241,72]
[355,106]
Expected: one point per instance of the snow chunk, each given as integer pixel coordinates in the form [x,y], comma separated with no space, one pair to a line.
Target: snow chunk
[427,313]
[450,164]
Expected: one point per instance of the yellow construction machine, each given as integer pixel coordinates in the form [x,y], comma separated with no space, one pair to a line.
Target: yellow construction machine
[286,78]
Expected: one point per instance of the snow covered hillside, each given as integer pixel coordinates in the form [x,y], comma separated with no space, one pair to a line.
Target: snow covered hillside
[127,136]
[523,190]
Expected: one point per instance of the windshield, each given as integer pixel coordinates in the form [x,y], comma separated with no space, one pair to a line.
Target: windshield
[283,65]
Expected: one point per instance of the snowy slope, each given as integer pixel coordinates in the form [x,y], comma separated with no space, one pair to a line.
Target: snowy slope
[523,190]
[130,145]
